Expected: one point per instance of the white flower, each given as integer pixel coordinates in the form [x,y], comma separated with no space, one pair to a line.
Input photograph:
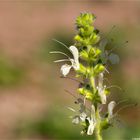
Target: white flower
[76,119]
[83,116]
[101,89]
[92,121]
[74,61]
[65,69]
[111,106]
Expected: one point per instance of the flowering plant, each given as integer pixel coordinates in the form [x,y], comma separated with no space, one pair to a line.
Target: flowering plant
[89,61]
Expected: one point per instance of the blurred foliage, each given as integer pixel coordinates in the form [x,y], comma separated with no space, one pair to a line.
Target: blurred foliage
[53,125]
[56,125]
[10,74]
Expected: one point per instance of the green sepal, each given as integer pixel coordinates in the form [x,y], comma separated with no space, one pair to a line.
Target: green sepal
[106,91]
[94,54]
[86,31]
[80,41]
[81,91]
[98,69]
[94,38]
[83,124]
[78,38]
[105,124]
[84,55]
[97,98]
[87,93]
[83,71]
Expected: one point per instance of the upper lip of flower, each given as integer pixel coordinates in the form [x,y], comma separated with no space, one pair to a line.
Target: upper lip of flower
[74,61]
[101,89]
[92,121]
[111,106]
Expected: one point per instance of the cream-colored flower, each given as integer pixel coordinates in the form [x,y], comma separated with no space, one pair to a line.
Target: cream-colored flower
[92,121]
[101,89]
[111,106]
[65,69]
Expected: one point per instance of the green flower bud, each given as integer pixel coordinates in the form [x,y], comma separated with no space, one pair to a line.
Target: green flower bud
[85,19]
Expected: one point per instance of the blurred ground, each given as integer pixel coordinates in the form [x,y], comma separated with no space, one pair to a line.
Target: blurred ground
[26,25]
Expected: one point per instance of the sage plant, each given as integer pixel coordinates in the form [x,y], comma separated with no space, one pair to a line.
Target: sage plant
[89,61]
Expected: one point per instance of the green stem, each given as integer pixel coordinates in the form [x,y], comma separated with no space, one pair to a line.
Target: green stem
[98,135]
[98,128]
[92,82]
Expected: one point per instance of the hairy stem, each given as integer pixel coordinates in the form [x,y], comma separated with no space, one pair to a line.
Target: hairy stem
[98,128]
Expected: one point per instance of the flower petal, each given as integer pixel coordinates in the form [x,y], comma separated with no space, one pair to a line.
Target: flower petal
[76,120]
[92,121]
[101,79]
[93,112]
[65,69]
[101,89]
[111,106]
[103,97]
[75,53]
[91,127]
[83,116]
[101,93]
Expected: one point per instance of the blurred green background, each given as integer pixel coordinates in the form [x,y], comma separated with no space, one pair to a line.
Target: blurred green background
[33,101]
